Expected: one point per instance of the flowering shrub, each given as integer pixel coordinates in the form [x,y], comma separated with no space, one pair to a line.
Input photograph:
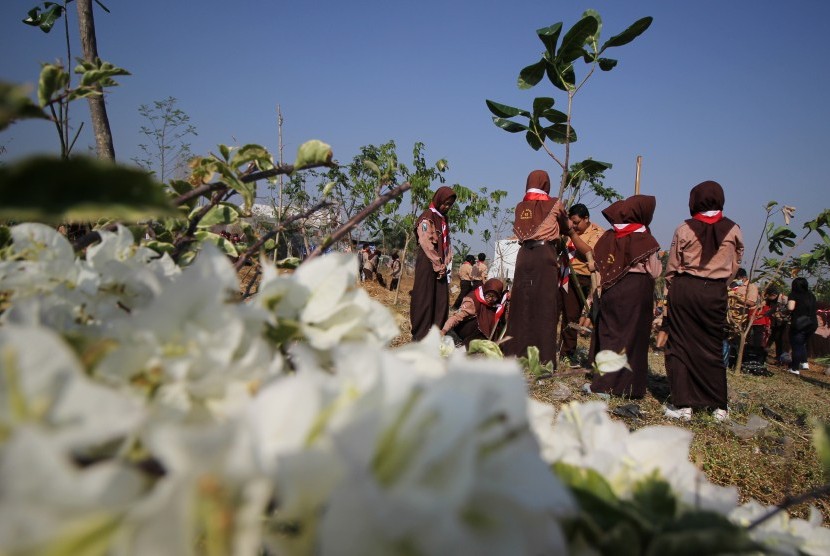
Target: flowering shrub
[144,409]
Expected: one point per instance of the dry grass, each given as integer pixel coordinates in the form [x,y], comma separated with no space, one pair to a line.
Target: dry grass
[768,466]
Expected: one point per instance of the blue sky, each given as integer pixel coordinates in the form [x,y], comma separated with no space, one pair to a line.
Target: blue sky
[729,90]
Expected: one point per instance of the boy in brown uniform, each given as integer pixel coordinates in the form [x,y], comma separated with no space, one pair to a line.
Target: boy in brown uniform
[572,303]
[480,270]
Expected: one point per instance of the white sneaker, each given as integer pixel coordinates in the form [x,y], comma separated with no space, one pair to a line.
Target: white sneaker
[682,413]
[794,371]
[721,415]
[805,366]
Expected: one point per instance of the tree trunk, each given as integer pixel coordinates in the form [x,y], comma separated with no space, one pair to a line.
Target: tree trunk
[97,106]
[403,268]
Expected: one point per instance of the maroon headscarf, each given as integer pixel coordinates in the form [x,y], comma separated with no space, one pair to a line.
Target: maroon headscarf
[710,231]
[438,219]
[488,315]
[532,210]
[620,248]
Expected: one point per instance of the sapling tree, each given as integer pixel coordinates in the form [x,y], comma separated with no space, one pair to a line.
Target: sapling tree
[167,128]
[45,19]
[543,122]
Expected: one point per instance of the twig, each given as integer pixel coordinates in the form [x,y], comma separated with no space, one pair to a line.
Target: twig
[789,502]
[261,241]
[358,218]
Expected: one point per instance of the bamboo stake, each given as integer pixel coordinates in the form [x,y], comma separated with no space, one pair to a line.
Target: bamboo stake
[637,176]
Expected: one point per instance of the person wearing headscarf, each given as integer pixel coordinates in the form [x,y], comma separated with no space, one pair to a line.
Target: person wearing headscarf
[705,255]
[804,323]
[430,303]
[465,278]
[534,298]
[626,259]
[479,314]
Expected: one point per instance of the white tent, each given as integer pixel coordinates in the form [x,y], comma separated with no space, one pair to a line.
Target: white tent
[504,258]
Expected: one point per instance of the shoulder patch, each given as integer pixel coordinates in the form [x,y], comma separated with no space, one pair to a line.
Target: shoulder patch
[424,226]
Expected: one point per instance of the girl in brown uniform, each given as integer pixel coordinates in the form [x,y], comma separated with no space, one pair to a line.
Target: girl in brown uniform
[430,303]
[479,313]
[705,254]
[534,307]
[626,258]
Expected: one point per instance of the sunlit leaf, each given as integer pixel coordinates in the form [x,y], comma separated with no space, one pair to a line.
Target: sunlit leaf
[221,214]
[821,441]
[485,347]
[46,189]
[226,246]
[15,104]
[313,152]
[52,79]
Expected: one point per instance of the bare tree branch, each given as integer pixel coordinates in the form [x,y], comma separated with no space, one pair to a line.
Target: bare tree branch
[358,218]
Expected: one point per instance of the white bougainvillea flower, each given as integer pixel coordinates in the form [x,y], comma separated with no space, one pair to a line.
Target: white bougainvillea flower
[783,534]
[443,469]
[48,505]
[42,382]
[210,493]
[192,341]
[584,435]
[322,301]
[607,361]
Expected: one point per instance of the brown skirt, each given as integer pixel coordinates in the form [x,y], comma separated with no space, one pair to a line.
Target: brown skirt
[534,303]
[694,351]
[624,323]
[430,303]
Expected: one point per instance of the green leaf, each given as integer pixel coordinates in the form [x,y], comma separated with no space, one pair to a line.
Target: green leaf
[549,36]
[485,347]
[504,111]
[313,152]
[160,247]
[52,79]
[635,30]
[607,64]
[654,498]
[554,116]
[46,189]
[225,151]
[541,104]
[585,479]
[557,133]
[98,73]
[561,75]
[221,214]
[15,104]
[574,40]
[531,75]
[702,532]
[5,236]
[289,263]
[507,125]
[228,247]
[821,442]
[533,141]
[257,154]
[46,20]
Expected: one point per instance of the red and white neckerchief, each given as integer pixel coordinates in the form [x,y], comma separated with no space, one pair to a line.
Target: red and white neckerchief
[622,230]
[445,231]
[534,194]
[709,216]
[564,261]
[479,293]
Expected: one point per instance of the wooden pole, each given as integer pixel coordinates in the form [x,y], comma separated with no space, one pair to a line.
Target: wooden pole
[637,176]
